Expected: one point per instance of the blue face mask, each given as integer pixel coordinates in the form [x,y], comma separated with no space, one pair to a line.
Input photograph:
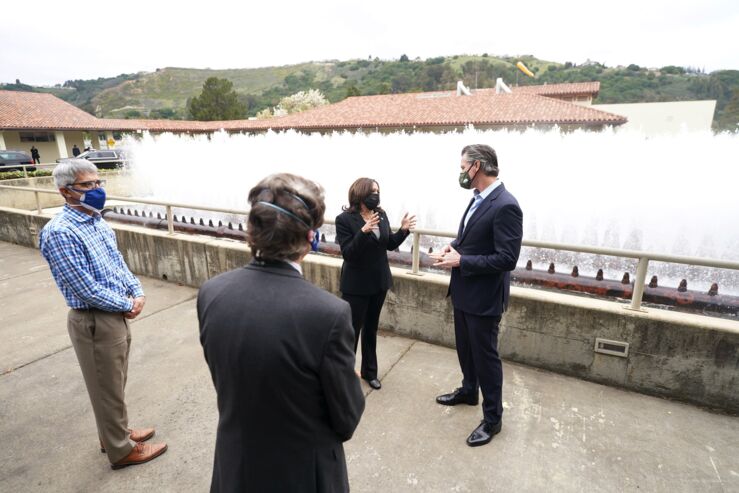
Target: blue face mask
[316,240]
[93,200]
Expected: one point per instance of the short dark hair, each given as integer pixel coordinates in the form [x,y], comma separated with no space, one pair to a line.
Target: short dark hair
[273,234]
[360,190]
[485,154]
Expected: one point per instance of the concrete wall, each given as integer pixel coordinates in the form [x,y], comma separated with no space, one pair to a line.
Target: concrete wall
[664,118]
[47,150]
[687,357]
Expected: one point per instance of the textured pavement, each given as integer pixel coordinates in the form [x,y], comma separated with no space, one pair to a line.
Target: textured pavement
[559,433]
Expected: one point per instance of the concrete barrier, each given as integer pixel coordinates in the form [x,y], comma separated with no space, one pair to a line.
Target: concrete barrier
[683,356]
[117,183]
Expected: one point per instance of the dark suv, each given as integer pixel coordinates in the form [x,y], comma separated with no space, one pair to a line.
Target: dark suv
[105,159]
[10,158]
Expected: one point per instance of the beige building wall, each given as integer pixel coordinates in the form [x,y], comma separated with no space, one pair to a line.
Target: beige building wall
[72,138]
[664,118]
[48,150]
[581,100]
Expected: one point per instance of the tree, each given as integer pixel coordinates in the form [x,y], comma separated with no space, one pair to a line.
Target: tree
[403,58]
[265,114]
[300,101]
[352,91]
[217,101]
[672,69]
[728,118]
[163,113]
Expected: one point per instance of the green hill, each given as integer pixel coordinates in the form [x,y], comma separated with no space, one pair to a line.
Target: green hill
[164,93]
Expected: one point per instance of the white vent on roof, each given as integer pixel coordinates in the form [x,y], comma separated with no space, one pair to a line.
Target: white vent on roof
[462,90]
[433,95]
[501,86]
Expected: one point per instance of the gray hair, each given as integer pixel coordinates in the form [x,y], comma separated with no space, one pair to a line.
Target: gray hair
[485,154]
[66,172]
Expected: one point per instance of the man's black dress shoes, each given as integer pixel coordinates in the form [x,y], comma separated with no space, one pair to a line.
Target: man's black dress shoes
[457,397]
[484,433]
[375,384]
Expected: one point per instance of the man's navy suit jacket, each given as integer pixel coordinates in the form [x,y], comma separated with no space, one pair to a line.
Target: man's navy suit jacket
[489,246]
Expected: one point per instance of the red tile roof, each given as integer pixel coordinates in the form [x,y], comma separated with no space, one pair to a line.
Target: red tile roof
[32,110]
[554,90]
[24,110]
[445,109]
[157,125]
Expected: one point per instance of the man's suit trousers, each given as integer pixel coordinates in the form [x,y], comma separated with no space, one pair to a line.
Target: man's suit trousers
[477,349]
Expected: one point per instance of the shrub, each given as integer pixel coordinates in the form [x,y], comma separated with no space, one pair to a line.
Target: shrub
[14,175]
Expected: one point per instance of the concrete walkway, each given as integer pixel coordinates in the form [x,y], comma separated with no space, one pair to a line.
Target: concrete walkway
[559,433]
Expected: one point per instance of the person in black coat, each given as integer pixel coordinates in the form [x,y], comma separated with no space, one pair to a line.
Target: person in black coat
[35,155]
[363,232]
[280,352]
[481,259]
[75,150]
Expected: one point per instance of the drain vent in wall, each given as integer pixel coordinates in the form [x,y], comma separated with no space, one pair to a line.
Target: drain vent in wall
[614,348]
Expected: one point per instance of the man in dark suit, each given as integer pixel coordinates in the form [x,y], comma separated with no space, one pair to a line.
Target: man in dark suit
[481,257]
[281,354]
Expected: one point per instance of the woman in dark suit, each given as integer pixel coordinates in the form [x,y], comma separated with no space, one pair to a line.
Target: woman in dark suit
[363,232]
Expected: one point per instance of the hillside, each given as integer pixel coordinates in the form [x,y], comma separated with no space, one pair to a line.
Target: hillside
[164,93]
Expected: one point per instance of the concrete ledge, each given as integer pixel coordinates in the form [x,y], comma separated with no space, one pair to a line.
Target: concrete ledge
[682,356]
[118,183]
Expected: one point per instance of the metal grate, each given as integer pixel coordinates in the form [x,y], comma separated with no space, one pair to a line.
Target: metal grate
[614,348]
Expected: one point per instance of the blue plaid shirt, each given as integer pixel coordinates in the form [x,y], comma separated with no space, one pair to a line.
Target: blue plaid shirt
[86,264]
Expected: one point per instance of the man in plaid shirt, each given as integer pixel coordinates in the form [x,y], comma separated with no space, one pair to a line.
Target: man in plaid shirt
[103,295]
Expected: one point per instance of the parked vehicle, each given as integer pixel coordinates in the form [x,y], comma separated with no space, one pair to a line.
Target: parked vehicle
[103,159]
[11,161]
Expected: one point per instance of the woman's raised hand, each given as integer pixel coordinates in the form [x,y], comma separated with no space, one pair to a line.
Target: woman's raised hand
[408,222]
[370,222]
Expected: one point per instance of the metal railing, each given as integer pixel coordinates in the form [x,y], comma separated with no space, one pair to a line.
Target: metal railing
[641,271]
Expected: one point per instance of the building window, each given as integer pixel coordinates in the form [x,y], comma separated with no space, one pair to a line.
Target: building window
[37,137]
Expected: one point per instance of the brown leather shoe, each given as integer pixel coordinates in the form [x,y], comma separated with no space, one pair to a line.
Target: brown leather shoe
[140,435]
[142,452]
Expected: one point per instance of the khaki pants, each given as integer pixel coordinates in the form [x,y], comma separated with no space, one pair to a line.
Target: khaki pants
[102,341]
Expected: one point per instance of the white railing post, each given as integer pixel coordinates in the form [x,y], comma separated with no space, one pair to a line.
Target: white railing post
[170,220]
[641,278]
[416,253]
[38,202]
[25,174]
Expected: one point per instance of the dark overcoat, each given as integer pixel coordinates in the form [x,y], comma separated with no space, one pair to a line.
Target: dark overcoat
[281,354]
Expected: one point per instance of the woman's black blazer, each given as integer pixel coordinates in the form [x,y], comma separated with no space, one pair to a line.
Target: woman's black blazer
[365,270]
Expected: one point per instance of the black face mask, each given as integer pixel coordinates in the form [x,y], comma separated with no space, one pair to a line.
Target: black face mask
[371,201]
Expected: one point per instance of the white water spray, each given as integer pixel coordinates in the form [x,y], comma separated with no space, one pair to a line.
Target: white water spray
[672,194]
